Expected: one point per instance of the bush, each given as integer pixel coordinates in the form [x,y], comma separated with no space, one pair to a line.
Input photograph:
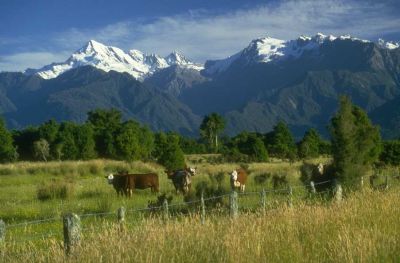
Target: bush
[55,190]
[391,152]
[279,182]
[262,179]
[210,190]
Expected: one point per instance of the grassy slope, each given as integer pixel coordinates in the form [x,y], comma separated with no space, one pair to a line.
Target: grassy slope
[364,228]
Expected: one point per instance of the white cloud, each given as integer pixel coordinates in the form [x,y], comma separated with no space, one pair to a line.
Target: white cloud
[21,61]
[202,35]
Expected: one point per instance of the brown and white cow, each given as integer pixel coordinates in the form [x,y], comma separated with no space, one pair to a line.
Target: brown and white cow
[238,179]
[181,179]
[125,183]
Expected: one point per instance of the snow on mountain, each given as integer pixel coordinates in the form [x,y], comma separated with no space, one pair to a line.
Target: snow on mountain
[388,44]
[107,58]
[268,49]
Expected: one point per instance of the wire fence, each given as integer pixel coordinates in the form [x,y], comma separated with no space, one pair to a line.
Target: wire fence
[52,219]
[197,206]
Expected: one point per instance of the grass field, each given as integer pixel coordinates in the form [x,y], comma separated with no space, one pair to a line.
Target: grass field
[363,228]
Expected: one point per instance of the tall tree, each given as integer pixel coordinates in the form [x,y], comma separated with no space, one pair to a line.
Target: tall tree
[66,145]
[8,152]
[127,141]
[211,127]
[106,124]
[23,140]
[41,149]
[356,143]
[309,146]
[49,131]
[280,142]
[249,144]
[84,141]
[169,151]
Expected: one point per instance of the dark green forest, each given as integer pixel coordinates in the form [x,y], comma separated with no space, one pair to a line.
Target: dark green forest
[106,135]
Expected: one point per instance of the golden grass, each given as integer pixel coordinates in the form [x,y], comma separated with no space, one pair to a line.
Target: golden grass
[363,228]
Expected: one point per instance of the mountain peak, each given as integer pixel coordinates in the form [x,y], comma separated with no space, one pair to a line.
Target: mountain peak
[107,58]
[388,44]
[177,58]
[269,49]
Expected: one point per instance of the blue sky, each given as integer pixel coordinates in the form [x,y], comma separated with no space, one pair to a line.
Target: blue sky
[34,33]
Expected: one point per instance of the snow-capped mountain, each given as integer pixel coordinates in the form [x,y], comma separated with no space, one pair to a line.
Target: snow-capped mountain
[388,44]
[268,49]
[107,58]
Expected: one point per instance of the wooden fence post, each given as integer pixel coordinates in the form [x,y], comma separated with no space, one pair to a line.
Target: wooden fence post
[290,201]
[263,200]
[233,204]
[312,185]
[165,209]
[203,208]
[72,232]
[2,231]
[338,192]
[386,182]
[121,214]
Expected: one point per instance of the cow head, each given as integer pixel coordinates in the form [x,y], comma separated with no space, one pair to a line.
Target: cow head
[234,175]
[192,171]
[320,168]
[110,178]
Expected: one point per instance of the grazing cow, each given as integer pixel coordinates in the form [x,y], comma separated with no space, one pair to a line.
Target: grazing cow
[125,183]
[322,175]
[182,179]
[238,179]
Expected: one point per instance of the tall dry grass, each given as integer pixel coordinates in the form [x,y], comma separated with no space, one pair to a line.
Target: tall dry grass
[363,228]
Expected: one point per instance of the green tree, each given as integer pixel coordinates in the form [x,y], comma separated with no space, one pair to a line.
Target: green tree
[49,131]
[169,152]
[309,146]
[127,141]
[249,144]
[146,139]
[8,151]
[106,124]
[41,149]
[356,143]
[211,127]
[23,140]
[68,150]
[280,142]
[391,152]
[84,141]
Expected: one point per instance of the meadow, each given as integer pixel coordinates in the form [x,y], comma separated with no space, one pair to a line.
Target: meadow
[364,227]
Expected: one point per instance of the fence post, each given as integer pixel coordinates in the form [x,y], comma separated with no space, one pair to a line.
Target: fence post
[386,182]
[165,209]
[263,200]
[203,208]
[233,204]
[121,215]
[338,192]
[362,182]
[2,231]
[72,231]
[290,201]
[312,185]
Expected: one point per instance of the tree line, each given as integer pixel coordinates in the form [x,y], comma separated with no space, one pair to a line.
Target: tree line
[354,140]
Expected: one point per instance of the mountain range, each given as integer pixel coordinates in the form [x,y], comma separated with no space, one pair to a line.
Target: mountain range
[297,81]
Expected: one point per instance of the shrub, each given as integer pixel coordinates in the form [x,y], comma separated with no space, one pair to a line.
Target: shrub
[262,179]
[55,189]
[391,152]
[279,182]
